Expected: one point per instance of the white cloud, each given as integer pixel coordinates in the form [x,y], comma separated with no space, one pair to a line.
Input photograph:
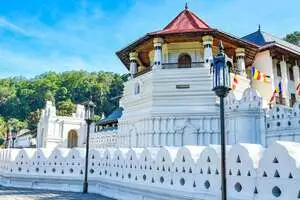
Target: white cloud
[10,26]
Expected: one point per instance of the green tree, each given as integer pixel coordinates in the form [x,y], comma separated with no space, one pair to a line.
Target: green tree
[65,108]
[33,119]
[293,38]
[3,128]
[20,98]
[13,122]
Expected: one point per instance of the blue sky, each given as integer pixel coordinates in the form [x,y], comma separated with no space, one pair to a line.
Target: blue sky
[57,35]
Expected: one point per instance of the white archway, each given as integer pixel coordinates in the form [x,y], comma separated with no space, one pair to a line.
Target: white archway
[72,139]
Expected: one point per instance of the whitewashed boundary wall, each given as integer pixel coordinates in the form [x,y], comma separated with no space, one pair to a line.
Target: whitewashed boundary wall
[103,139]
[283,123]
[189,172]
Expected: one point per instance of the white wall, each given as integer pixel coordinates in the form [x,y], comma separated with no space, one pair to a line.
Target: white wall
[190,172]
[53,130]
[283,123]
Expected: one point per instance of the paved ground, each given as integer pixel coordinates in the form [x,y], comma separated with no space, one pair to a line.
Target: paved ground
[26,194]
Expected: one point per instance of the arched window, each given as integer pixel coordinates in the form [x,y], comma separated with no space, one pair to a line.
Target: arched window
[184,61]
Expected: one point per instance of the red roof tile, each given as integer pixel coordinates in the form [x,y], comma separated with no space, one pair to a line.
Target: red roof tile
[186,21]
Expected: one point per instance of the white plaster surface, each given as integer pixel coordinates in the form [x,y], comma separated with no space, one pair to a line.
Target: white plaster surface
[189,172]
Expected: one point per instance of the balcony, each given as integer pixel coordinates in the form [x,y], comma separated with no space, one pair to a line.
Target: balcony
[171,66]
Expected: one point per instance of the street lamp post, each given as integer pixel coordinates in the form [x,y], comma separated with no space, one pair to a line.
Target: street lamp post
[89,107]
[14,132]
[221,86]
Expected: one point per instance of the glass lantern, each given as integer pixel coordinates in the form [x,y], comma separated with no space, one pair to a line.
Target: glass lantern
[89,107]
[14,132]
[221,72]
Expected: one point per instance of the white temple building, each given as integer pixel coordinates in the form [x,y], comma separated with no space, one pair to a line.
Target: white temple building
[162,143]
[168,100]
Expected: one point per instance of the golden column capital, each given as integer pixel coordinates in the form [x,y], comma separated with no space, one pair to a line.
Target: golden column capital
[207,38]
[133,56]
[240,52]
[158,41]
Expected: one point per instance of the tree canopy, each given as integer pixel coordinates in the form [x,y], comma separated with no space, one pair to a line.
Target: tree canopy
[22,99]
[293,38]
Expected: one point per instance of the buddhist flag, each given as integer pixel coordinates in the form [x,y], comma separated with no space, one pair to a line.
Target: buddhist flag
[275,94]
[235,82]
[279,87]
[298,89]
[277,91]
[267,79]
[257,75]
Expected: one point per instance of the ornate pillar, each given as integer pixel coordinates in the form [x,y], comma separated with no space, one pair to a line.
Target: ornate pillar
[133,57]
[157,53]
[208,54]
[296,73]
[241,67]
[284,81]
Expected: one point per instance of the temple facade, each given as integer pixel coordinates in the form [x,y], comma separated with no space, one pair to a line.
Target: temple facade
[168,99]
[162,143]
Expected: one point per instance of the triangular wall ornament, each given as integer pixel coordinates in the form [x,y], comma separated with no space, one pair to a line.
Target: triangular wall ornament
[255,191]
[208,170]
[298,195]
[276,174]
[239,173]
[249,173]
[230,173]
[217,172]
[238,160]
[265,174]
[208,159]
[290,176]
[275,160]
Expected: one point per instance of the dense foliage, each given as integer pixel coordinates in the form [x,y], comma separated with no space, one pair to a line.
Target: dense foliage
[21,99]
[293,38]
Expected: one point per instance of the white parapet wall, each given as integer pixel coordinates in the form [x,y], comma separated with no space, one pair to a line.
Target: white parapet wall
[283,123]
[189,172]
[104,139]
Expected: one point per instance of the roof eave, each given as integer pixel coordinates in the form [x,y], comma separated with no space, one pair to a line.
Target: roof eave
[107,122]
[272,44]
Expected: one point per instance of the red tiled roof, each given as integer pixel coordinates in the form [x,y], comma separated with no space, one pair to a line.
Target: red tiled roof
[186,21]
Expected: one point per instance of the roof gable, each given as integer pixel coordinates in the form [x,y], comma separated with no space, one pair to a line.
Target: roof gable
[271,38]
[256,37]
[263,39]
[184,22]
